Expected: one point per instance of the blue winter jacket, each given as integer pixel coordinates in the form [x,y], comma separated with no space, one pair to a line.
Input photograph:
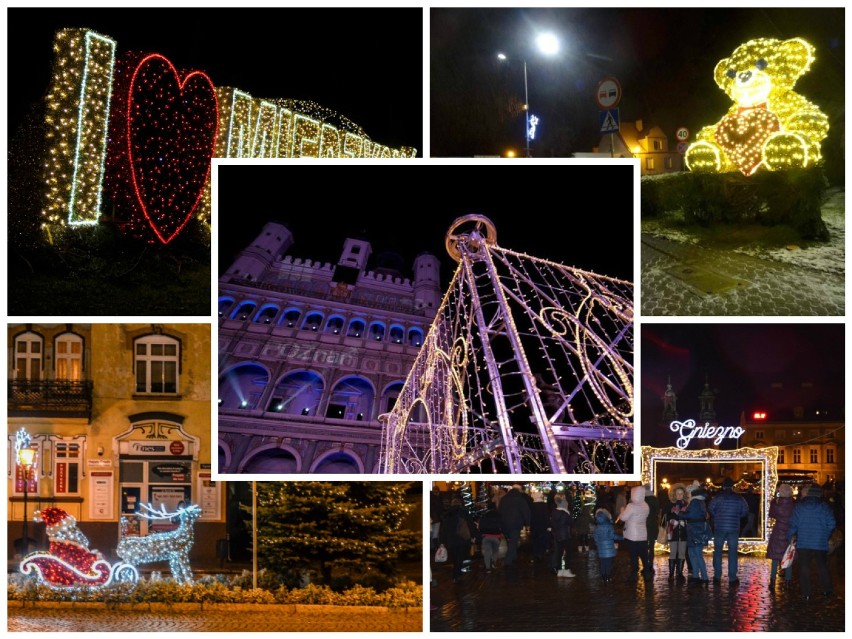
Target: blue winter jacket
[727,509]
[697,529]
[813,522]
[605,536]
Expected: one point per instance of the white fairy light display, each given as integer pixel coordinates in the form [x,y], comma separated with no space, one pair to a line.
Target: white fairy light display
[172,546]
[526,368]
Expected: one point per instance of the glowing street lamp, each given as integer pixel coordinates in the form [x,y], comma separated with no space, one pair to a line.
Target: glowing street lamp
[25,455]
[548,44]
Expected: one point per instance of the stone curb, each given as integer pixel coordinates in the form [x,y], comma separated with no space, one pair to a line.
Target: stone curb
[195,607]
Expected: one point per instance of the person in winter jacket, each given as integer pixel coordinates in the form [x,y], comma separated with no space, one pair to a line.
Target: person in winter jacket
[539,524]
[697,532]
[605,539]
[635,517]
[727,509]
[781,510]
[812,524]
[676,531]
[652,523]
[582,527]
[458,532]
[514,509]
[560,526]
[491,530]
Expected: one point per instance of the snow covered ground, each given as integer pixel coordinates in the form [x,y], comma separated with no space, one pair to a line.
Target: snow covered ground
[821,256]
[827,257]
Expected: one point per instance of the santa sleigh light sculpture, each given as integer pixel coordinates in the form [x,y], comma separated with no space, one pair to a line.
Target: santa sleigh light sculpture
[70,563]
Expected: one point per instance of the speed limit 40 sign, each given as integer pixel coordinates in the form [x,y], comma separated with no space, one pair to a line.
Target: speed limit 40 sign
[682,134]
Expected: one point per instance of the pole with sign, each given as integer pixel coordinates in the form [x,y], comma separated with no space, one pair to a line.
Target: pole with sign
[607,98]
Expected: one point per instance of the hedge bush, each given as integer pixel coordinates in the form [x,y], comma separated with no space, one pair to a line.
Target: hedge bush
[792,198]
[215,590]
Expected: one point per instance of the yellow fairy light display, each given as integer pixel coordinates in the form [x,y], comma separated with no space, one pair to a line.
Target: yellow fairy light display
[766,457]
[78,116]
[77,119]
[769,125]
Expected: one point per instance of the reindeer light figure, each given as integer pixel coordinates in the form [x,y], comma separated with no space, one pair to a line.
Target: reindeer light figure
[172,546]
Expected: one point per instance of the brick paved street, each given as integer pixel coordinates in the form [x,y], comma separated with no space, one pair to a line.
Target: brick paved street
[534,599]
[685,279]
[221,618]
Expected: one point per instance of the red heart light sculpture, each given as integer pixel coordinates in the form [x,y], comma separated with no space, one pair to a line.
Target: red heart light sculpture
[162,138]
[743,134]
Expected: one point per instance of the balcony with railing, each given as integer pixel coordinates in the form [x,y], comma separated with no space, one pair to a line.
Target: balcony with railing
[50,398]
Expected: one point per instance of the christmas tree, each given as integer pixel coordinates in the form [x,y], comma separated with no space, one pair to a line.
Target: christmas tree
[341,528]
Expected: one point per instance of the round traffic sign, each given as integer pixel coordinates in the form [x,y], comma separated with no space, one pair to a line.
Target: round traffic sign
[682,133]
[608,94]
[681,147]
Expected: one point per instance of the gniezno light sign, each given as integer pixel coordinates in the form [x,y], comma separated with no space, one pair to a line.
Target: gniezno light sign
[688,431]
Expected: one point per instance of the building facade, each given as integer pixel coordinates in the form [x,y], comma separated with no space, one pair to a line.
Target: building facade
[120,417]
[809,449]
[310,354]
[650,145]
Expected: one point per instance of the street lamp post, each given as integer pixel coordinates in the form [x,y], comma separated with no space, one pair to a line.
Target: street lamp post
[26,459]
[548,44]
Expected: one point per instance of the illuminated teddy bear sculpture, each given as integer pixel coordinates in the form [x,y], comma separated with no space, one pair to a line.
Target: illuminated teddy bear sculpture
[769,126]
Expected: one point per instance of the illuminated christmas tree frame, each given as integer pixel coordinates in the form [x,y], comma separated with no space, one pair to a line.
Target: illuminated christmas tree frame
[78,110]
[766,457]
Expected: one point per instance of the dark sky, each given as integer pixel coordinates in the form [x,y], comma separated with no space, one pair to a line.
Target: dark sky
[537,209]
[366,64]
[741,362]
[664,59]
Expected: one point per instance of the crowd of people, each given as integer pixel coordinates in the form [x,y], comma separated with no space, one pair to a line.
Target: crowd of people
[684,518]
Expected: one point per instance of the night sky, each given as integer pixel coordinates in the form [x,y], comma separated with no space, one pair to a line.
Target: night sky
[741,362]
[536,209]
[664,59]
[366,64]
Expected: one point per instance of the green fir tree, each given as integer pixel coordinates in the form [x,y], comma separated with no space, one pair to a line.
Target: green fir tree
[340,528]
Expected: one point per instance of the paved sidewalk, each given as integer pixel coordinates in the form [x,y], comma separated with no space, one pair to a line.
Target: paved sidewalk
[680,279]
[532,598]
[219,618]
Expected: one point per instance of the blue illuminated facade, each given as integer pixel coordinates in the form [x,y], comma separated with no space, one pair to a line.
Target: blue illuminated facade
[310,354]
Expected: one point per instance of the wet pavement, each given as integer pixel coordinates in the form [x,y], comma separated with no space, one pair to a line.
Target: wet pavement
[61,618]
[680,279]
[531,598]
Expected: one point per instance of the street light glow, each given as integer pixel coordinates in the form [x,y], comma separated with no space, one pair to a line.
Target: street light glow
[501,56]
[547,43]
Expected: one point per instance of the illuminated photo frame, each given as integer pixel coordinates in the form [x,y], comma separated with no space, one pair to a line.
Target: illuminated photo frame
[766,457]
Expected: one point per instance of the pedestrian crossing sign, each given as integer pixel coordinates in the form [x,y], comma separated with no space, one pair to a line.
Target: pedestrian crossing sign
[609,121]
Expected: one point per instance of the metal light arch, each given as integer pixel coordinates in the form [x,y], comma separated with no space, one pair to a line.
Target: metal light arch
[527,368]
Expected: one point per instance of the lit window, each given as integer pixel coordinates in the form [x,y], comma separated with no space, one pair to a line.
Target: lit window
[69,357]
[157,358]
[797,455]
[649,164]
[66,468]
[29,348]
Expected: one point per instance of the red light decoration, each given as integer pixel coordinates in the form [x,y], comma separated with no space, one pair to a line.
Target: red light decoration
[759,416]
[162,137]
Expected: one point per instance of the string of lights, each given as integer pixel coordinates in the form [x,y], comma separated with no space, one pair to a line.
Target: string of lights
[766,457]
[769,125]
[526,368]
